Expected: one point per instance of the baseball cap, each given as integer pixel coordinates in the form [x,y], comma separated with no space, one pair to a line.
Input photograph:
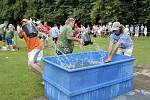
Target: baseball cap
[10,25]
[24,20]
[115,26]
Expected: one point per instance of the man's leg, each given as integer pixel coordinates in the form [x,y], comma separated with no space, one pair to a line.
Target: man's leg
[35,67]
[34,56]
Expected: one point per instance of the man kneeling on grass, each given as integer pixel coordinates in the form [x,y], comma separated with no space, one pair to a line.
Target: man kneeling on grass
[120,42]
[34,48]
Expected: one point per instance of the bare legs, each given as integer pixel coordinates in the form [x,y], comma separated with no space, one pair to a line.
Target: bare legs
[35,68]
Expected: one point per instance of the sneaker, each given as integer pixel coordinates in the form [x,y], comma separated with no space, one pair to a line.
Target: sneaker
[13,50]
[4,48]
[42,82]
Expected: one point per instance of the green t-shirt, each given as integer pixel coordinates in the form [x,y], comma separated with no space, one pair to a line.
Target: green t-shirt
[10,33]
[65,45]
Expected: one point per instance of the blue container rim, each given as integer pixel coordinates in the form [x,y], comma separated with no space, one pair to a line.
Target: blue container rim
[85,68]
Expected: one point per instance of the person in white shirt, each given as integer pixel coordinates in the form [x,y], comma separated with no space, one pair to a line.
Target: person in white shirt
[136,31]
[145,31]
[126,30]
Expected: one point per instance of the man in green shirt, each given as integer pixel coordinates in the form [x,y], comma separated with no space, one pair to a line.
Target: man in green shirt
[66,38]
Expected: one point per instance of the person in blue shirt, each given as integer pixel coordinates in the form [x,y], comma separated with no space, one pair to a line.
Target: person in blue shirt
[54,34]
[120,42]
[142,29]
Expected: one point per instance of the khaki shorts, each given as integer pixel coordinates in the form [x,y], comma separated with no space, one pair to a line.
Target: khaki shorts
[127,52]
[35,55]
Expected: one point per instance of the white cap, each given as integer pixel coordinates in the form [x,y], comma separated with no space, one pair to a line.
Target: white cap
[115,26]
[10,26]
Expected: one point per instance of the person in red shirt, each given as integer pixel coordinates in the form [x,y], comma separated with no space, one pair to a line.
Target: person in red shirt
[46,30]
[34,48]
[76,30]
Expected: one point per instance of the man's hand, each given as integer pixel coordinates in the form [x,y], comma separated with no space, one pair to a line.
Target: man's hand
[109,59]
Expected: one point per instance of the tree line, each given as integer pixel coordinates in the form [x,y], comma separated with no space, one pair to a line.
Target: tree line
[84,11]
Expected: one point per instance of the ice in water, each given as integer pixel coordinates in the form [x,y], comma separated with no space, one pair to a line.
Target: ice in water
[82,62]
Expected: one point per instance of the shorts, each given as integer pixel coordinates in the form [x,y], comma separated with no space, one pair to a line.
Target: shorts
[9,41]
[55,39]
[35,55]
[127,52]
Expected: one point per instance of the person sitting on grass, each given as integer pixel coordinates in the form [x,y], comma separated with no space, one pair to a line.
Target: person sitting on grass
[120,42]
[34,48]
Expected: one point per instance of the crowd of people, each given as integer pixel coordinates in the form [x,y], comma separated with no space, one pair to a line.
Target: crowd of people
[37,36]
[8,33]
[132,30]
[6,36]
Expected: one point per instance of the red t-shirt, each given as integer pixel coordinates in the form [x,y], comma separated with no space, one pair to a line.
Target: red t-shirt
[46,29]
[76,30]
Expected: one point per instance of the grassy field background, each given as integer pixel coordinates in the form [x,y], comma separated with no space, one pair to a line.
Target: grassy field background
[19,83]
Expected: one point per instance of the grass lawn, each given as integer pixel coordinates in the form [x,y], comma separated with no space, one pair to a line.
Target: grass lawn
[18,83]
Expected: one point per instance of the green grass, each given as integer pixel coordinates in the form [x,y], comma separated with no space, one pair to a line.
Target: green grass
[18,83]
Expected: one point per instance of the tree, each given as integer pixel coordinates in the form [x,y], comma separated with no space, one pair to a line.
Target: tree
[84,11]
[144,12]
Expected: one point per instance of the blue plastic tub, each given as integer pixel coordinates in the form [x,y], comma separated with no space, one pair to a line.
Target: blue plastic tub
[86,82]
[105,91]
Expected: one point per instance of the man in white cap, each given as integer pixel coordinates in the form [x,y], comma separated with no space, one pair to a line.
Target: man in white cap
[120,42]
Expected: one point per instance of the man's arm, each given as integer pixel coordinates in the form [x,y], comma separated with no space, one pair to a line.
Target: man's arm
[20,34]
[74,39]
[70,35]
[112,51]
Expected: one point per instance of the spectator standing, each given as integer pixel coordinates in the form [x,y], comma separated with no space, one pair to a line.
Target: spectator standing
[82,31]
[131,30]
[2,35]
[54,34]
[145,31]
[136,31]
[126,30]
[10,32]
[142,30]
[46,29]
[76,30]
